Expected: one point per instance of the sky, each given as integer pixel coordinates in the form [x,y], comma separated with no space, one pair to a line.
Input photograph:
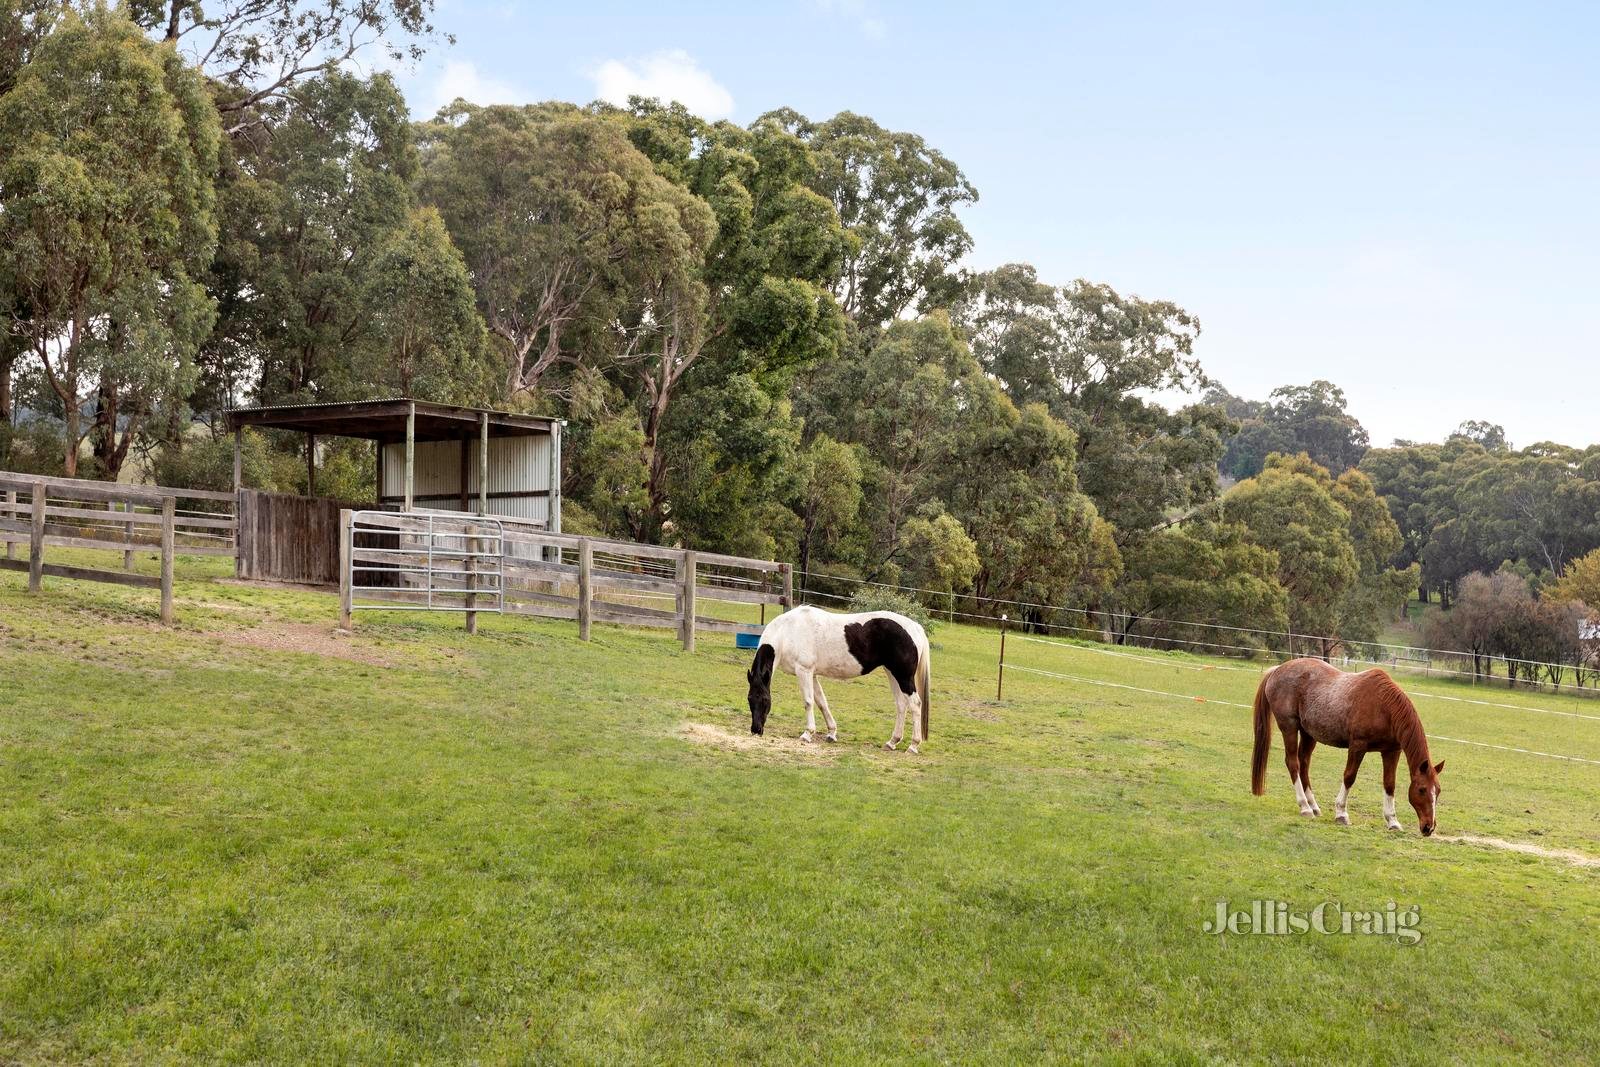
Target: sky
[1398,197]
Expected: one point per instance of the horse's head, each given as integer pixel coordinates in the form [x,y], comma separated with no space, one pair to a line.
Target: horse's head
[1424,794]
[760,678]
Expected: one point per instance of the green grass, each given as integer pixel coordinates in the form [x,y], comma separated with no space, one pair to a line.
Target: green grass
[412,845]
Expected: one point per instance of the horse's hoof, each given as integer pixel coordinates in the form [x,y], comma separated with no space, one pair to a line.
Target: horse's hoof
[806,737]
[1308,813]
[1395,826]
[911,749]
[1342,819]
[890,745]
[832,737]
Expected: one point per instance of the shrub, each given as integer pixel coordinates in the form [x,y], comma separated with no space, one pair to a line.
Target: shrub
[872,598]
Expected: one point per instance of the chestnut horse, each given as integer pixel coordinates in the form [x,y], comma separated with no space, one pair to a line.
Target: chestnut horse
[1316,703]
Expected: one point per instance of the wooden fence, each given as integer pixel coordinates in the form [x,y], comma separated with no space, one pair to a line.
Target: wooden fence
[561,576]
[42,513]
[286,538]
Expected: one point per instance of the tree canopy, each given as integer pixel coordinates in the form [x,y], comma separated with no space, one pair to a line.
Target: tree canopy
[762,337]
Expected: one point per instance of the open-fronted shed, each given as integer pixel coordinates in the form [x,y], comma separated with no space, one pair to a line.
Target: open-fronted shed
[429,456]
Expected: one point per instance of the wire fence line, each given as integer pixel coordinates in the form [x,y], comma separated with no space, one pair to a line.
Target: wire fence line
[1431,662]
[1195,699]
[1256,671]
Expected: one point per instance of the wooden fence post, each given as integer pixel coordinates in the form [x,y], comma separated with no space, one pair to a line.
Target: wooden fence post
[689,578]
[585,564]
[346,579]
[169,509]
[127,532]
[36,541]
[787,570]
[11,513]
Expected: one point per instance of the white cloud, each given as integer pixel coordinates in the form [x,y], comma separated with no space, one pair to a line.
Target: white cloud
[461,78]
[859,12]
[669,75]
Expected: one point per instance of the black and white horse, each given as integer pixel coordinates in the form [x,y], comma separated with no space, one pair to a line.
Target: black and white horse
[811,643]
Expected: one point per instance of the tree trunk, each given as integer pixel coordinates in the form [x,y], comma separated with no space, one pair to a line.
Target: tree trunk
[6,361]
[70,460]
[104,433]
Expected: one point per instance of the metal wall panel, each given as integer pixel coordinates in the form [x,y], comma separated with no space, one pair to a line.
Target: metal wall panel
[516,464]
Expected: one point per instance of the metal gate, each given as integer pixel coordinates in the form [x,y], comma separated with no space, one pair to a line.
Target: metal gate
[424,561]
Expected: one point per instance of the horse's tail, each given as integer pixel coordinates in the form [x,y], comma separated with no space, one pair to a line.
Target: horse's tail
[1258,756]
[923,672]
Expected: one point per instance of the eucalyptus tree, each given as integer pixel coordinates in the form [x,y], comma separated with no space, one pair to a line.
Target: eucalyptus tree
[762,284]
[1335,542]
[319,202]
[425,338]
[1296,418]
[897,198]
[935,432]
[258,51]
[574,242]
[1093,357]
[108,144]
[1183,582]
[1290,508]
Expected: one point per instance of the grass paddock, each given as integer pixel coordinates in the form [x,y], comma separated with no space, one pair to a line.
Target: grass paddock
[249,837]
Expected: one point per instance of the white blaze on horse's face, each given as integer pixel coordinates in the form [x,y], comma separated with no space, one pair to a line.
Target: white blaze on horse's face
[1424,795]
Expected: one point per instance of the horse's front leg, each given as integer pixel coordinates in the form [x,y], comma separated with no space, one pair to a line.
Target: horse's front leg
[899,716]
[808,687]
[1391,759]
[1351,766]
[827,712]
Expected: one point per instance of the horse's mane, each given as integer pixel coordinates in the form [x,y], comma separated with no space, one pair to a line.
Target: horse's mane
[1402,713]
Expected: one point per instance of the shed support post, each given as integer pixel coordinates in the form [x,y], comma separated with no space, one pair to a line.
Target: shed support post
[238,459]
[346,578]
[36,541]
[311,464]
[483,463]
[11,513]
[553,522]
[585,565]
[169,507]
[787,570]
[411,453]
[686,599]
[127,534]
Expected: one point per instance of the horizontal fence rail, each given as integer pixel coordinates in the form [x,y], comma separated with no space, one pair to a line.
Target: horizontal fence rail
[422,560]
[127,517]
[44,513]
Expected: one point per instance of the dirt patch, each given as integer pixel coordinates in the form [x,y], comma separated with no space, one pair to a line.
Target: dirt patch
[1576,859]
[315,640]
[787,749]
